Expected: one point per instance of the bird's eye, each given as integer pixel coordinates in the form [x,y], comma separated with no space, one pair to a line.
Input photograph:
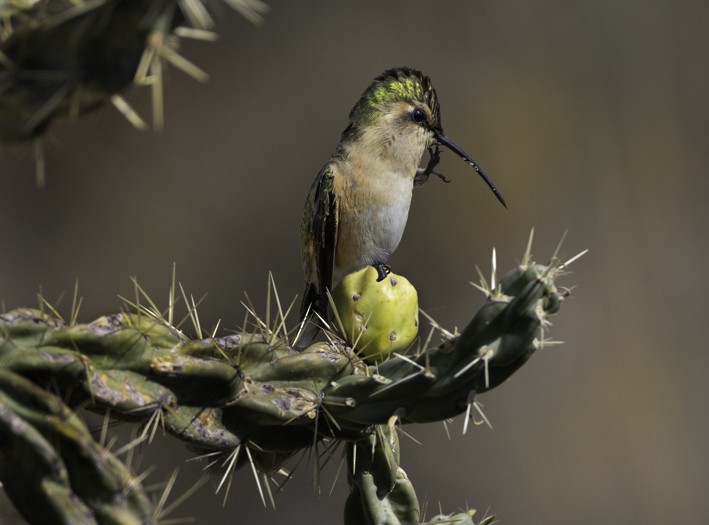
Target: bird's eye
[418,115]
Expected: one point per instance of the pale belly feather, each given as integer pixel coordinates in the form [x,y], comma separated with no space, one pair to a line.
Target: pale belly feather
[373,222]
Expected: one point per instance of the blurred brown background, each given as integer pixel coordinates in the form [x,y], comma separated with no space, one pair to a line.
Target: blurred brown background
[591,117]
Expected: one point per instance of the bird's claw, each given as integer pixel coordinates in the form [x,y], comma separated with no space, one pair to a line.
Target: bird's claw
[422,174]
[382,271]
[441,176]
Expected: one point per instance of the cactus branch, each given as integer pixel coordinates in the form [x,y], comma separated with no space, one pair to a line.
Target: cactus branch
[62,59]
[246,398]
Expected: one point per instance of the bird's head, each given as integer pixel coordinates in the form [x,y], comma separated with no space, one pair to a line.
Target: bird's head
[398,116]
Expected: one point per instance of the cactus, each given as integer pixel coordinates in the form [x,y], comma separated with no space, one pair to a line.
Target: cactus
[376,318]
[380,491]
[53,470]
[63,59]
[253,399]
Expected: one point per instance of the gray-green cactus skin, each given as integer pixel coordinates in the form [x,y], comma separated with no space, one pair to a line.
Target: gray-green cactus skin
[248,391]
[53,469]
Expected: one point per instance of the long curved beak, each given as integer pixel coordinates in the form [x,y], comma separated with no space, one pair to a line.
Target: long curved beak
[445,141]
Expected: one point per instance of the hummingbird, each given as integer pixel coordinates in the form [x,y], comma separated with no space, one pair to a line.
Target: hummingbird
[358,204]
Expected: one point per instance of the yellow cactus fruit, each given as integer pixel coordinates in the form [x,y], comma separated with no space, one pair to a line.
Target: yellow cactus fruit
[378,317]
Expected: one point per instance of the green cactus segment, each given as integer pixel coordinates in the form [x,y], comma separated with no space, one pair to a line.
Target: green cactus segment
[380,491]
[378,317]
[442,381]
[135,365]
[52,468]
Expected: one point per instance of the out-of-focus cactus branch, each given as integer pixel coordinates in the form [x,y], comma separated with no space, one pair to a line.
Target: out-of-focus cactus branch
[64,58]
[249,395]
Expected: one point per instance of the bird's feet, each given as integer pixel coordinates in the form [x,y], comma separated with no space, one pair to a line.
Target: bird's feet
[382,271]
[422,174]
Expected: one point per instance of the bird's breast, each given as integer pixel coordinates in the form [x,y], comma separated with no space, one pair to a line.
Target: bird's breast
[373,212]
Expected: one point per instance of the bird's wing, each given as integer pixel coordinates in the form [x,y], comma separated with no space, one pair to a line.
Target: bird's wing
[325,222]
[323,235]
